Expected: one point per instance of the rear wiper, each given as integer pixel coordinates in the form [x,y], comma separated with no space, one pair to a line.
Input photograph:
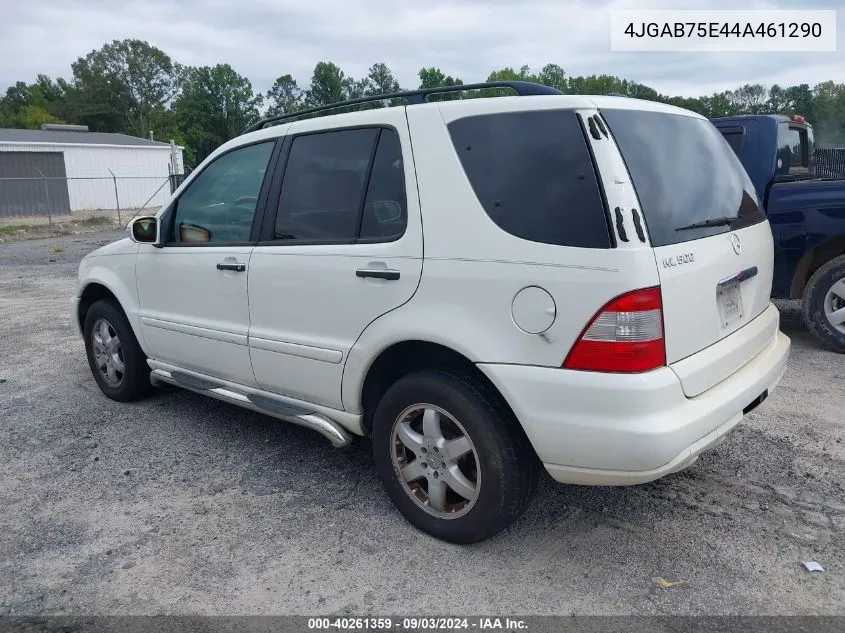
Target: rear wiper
[708,223]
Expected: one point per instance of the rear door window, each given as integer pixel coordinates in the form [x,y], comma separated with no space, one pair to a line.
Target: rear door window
[324,185]
[684,173]
[385,212]
[533,174]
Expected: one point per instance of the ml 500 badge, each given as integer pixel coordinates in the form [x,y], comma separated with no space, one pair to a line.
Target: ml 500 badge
[677,260]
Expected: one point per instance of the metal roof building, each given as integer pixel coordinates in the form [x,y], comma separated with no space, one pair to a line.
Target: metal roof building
[64,168]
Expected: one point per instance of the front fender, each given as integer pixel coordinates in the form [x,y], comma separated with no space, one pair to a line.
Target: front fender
[116,273]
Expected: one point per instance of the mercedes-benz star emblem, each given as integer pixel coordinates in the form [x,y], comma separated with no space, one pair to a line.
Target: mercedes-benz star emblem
[736,244]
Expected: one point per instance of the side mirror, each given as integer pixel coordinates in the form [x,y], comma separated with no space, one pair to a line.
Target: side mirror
[145,230]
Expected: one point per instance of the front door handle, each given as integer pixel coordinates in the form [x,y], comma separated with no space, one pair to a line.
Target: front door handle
[238,268]
[378,273]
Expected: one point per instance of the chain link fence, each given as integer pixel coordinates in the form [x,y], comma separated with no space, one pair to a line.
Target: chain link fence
[830,162]
[43,205]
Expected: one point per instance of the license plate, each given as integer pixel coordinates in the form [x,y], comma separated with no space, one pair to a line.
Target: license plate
[730,304]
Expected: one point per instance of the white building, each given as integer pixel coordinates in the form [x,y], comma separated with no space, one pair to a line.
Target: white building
[64,168]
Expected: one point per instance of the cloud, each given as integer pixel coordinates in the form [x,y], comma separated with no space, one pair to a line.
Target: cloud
[263,39]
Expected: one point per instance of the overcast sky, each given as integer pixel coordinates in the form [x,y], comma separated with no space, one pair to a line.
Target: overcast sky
[263,39]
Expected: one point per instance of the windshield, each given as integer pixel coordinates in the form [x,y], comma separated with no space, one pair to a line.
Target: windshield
[689,182]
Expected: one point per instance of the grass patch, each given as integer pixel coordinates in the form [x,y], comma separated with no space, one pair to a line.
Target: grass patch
[96,220]
[57,250]
[12,228]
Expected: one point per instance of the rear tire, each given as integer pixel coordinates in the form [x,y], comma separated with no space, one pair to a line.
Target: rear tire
[823,304]
[116,360]
[451,457]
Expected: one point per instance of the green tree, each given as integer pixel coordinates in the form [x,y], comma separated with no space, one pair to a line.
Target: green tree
[829,114]
[99,101]
[596,85]
[140,76]
[28,106]
[553,75]
[327,85]
[215,105]
[720,104]
[356,88]
[777,100]
[509,74]
[381,80]
[435,78]
[641,91]
[694,104]
[800,100]
[33,116]
[285,96]
[751,98]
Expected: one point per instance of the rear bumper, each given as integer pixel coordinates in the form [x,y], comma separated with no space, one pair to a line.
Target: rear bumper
[612,429]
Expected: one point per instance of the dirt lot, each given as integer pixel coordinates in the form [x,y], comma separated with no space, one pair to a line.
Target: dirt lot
[181,504]
[78,223]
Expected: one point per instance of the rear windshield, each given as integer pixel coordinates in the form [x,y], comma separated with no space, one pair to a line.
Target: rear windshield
[684,173]
[533,174]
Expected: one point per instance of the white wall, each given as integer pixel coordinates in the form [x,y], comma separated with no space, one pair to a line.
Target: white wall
[140,171]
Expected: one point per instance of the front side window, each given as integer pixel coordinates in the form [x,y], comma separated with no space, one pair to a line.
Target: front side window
[219,205]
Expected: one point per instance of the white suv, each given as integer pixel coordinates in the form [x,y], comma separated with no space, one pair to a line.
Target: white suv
[485,286]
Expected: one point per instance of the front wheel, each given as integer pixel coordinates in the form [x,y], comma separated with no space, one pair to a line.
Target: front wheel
[823,305]
[114,356]
[451,458]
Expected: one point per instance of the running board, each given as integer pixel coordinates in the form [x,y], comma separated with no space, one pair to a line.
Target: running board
[267,404]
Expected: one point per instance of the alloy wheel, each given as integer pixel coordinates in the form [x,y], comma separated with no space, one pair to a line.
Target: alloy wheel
[435,461]
[108,353]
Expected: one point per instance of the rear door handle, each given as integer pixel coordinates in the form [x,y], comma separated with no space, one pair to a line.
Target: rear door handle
[378,273]
[238,268]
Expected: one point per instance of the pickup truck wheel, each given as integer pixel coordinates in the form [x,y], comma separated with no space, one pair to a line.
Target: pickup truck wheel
[450,458]
[114,356]
[823,305]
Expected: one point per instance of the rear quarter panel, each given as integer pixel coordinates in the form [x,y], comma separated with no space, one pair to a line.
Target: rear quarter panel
[472,270]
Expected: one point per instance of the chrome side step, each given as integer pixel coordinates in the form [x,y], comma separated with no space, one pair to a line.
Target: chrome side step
[268,404]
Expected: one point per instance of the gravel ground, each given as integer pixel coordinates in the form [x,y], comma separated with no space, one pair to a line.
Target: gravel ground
[181,504]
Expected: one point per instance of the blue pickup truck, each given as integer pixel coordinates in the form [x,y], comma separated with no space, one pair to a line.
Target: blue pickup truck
[806,214]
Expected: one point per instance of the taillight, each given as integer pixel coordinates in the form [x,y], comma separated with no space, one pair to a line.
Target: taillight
[625,336]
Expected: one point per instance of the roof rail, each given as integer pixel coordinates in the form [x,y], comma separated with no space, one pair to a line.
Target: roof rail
[522,88]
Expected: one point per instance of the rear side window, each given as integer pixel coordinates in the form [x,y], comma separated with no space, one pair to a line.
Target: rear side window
[792,151]
[533,174]
[684,174]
